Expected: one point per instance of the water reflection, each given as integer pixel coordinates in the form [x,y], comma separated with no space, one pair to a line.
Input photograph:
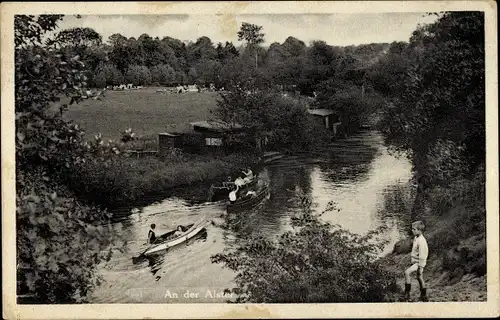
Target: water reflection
[357,174]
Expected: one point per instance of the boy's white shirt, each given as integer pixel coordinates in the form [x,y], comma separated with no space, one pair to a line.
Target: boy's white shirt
[419,251]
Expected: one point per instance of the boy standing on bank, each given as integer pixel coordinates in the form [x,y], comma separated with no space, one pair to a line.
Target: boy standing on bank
[419,254]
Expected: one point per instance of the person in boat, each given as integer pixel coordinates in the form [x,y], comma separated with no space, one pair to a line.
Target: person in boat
[239,182]
[229,183]
[250,194]
[178,231]
[232,194]
[151,234]
[248,175]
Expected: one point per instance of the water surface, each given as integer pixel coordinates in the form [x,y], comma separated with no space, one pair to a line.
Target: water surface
[356,173]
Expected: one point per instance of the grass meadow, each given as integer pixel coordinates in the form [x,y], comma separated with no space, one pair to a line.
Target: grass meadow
[127,181]
[146,111]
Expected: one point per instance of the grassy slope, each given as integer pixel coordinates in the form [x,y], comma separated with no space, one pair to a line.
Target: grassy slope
[456,268]
[145,111]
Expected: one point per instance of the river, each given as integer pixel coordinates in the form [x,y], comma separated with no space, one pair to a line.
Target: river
[357,173]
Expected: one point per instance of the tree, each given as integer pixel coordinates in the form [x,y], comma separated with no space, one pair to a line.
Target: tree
[84,42]
[51,222]
[276,59]
[388,75]
[202,49]
[294,46]
[117,40]
[163,74]
[138,75]
[321,64]
[252,35]
[78,37]
[441,100]
[108,75]
[180,52]
[226,52]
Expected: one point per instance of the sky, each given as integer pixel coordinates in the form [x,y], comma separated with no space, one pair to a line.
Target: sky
[340,29]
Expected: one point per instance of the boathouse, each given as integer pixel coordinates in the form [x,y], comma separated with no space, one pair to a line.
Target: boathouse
[328,118]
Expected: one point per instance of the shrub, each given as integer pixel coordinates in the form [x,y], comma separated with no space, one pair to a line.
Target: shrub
[315,262]
[51,224]
[58,240]
[120,180]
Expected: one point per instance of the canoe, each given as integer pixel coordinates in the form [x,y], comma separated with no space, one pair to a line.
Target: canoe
[191,231]
[248,203]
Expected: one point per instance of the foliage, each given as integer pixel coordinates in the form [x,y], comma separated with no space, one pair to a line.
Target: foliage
[138,75]
[263,111]
[163,74]
[123,180]
[315,262]
[441,93]
[435,113]
[108,75]
[348,101]
[251,33]
[226,52]
[78,37]
[58,243]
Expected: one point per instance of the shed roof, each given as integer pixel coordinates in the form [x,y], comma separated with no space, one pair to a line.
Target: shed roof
[321,112]
[215,125]
[178,128]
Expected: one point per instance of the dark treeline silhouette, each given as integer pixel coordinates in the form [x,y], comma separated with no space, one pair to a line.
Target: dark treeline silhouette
[169,61]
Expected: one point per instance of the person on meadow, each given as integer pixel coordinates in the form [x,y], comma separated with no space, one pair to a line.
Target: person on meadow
[419,254]
[151,234]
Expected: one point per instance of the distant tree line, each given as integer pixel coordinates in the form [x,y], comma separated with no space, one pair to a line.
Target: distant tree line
[168,61]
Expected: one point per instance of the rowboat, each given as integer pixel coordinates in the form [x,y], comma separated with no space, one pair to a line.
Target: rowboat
[245,203]
[168,240]
[191,232]
[221,191]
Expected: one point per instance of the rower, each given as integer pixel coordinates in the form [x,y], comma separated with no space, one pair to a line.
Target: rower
[248,175]
[151,234]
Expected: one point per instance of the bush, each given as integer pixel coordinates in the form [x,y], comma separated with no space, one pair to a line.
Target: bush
[284,119]
[59,240]
[313,263]
[51,224]
[120,180]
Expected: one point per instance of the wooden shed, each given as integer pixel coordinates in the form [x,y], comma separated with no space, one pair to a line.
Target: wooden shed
[167,141]
[330,119]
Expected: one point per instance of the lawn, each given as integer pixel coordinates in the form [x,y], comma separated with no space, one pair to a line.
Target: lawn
[146,111]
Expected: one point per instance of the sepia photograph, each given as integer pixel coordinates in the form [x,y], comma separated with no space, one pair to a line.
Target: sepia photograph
[253,157]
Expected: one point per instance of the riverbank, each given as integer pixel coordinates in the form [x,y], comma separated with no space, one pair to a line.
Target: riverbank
[121,181]
[455,221]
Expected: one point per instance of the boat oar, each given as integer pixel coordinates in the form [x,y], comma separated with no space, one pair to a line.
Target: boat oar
[142,253]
